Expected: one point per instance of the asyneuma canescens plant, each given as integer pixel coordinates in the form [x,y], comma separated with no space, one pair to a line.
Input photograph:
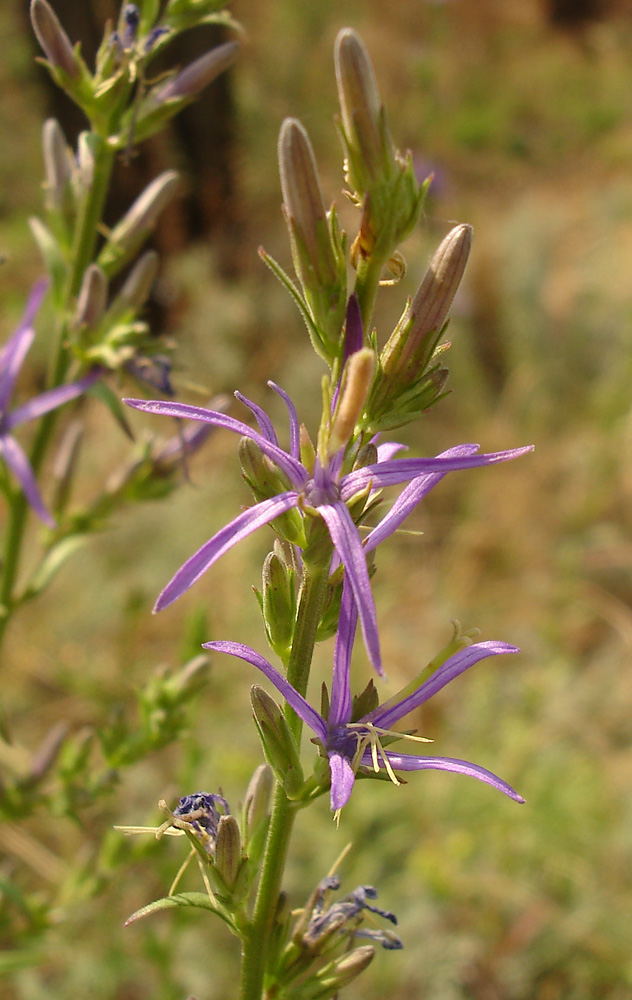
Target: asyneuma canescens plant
[318,494]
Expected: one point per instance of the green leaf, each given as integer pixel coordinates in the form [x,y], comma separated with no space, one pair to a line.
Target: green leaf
[52,562]
[197,900]
[113,403]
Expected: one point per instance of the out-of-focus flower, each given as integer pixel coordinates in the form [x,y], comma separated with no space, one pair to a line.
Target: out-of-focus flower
[11,360]
[322,489]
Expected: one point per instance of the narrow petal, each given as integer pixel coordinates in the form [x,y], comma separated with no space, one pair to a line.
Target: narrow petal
[402,470]
[408,499]
[265,424]
[21,468]
[289,465]
[406,762]
[11,361]
[50,400]
[348,545]
[295,444]
[14,351]
[342,780]
[389,449]
[302,708]
[341,701]
[453,667]
[242,526]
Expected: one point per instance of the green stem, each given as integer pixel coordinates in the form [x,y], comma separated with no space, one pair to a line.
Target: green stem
[366,286]
[256,941]
[84,243]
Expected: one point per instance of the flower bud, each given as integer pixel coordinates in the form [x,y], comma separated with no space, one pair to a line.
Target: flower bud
[85,161]
[278,742]
[137,286]
[279,603]
[53,39]
[227,855]
[266,481]
[191,80]
[140,219]
[58,166]
[369,149]
[317,251]
[92,298]
[257,801]
[412,344]
[360,370]
[46,754]
[344,970]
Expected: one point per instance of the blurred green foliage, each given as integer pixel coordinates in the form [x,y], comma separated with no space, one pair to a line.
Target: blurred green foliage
[530,136]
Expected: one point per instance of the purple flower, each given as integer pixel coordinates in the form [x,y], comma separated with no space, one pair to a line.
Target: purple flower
[12,358]
[327,490]
[354,745]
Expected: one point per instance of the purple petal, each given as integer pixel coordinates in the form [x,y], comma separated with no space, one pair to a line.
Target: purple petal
[341,702]
[389,449]
[11,361]
[458,663]
[262,418]
[290,466]
[295,445]
[342,780]
[20,466]
[302,708]
[242,526]
[348,545]
[50,400]
[408,499]
[401,470]
[406,762]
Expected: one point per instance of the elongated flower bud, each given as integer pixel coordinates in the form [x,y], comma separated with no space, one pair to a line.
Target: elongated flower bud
[138,283]
[227,854]
[410,347]
[257,801]
[361,111]
[279,602]
[92,297]
[191,80]
[140,219]
[278,742]
[58,165]
[360,371]
[53,39]
[345,969]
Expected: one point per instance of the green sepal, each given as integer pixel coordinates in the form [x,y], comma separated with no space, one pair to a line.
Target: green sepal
[52,255]
[52,562]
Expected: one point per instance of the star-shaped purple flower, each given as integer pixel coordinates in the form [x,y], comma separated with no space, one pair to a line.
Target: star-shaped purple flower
[351,746]
[12,358]
[326,490]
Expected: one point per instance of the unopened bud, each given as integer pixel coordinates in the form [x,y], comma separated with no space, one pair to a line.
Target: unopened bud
[46,754]
[53,39]
[85,160]
[345,969]
[140,219]
[257,802]
[306,215]
[227,854]
[361,108]
[191,80]
[279,745]
[58,165]
[279,602]
[137,286]
[92,297]
[360,370]
[410,347]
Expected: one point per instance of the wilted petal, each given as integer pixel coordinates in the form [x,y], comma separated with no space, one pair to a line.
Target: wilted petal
[348,545]
[50,400]
[406,762]
[242,526]
[289,465]
[302,708]
[19,465]
[342,779]
[456,665]
[402,470]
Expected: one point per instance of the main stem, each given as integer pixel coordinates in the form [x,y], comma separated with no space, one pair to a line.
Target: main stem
[255,946]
